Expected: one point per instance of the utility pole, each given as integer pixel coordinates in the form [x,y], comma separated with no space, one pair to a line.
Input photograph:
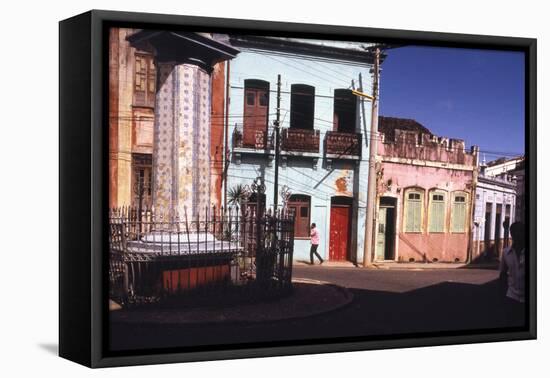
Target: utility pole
[226,136]
[277,147]
[475,175]
[371,188]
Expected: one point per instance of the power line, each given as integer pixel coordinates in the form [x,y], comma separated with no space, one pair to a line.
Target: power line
[283,92]
[307,72]
[310,58]
[300,61]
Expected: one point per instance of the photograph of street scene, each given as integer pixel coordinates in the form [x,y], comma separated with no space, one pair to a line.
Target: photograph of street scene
[270,189]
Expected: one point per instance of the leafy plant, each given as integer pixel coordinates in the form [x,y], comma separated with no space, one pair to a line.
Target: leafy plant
[236,195]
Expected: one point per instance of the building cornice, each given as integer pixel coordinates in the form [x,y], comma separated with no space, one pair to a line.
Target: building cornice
[426,163]
[303,47]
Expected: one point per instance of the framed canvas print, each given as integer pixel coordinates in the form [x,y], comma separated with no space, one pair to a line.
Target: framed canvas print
[234,188]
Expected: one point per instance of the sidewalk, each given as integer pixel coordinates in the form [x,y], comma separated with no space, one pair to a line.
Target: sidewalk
[392,265]
[309,298]
[432,265]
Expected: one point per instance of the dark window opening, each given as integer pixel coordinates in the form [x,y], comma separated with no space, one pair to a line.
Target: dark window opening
[250,98]
[439,197]
[498,225]
[488,219]
[264,99]
[345,111]
[414,196]
[302,106]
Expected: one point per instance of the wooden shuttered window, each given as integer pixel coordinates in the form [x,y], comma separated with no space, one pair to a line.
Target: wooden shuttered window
[300,206]
[413,211]
[256,109]
[458,212]
[144,80]
[437,212]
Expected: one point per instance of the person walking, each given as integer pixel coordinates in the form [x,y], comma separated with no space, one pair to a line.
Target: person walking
[314,234]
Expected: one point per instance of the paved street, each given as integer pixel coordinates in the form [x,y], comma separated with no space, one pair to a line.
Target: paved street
[384,302]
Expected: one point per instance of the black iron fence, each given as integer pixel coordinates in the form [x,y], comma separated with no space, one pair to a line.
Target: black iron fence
[151,257]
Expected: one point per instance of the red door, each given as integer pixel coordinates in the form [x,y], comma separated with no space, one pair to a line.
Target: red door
[339,232]
[255,117]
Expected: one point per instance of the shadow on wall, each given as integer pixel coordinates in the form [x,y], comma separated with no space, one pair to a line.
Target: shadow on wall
[421,255]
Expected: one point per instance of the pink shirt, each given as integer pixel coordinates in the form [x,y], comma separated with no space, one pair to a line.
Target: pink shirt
[314,236]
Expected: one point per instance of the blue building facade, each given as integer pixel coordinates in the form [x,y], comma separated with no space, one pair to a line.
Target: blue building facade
[324,132]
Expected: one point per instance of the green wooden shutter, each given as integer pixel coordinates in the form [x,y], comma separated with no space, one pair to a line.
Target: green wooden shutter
[458,216]
[413,212]
[410,216]
[437,213]
[417,216]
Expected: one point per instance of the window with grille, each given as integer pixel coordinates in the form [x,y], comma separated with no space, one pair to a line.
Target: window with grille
[144,80]
[437,212]
[413,211]
[458,212]
[299,206]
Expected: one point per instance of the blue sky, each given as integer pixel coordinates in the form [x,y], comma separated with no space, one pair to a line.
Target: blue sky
[475,95]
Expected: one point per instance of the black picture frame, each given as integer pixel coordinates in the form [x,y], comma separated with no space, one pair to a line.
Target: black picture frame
[83,180]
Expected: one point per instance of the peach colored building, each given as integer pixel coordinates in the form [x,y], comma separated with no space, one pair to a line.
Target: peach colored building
[131,113]
[133,108]
[425,186]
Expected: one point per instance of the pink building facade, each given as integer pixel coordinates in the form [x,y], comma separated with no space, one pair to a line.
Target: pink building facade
[425,189]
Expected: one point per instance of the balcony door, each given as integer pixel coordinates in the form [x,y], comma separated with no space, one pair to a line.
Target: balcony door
[256,106]
[345,111]
[302,106]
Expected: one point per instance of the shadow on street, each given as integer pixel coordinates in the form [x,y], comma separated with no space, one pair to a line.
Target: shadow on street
[444,306]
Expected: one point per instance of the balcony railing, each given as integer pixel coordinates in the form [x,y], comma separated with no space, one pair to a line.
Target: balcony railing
[300,140]
[261,140]
[342,144]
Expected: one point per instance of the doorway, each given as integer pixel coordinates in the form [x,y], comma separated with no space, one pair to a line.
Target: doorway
[488,218]
[385,236]
[498,231]
[340,228]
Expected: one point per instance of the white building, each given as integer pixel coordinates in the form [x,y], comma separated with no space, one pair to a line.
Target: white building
[511,169]
[495,211]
